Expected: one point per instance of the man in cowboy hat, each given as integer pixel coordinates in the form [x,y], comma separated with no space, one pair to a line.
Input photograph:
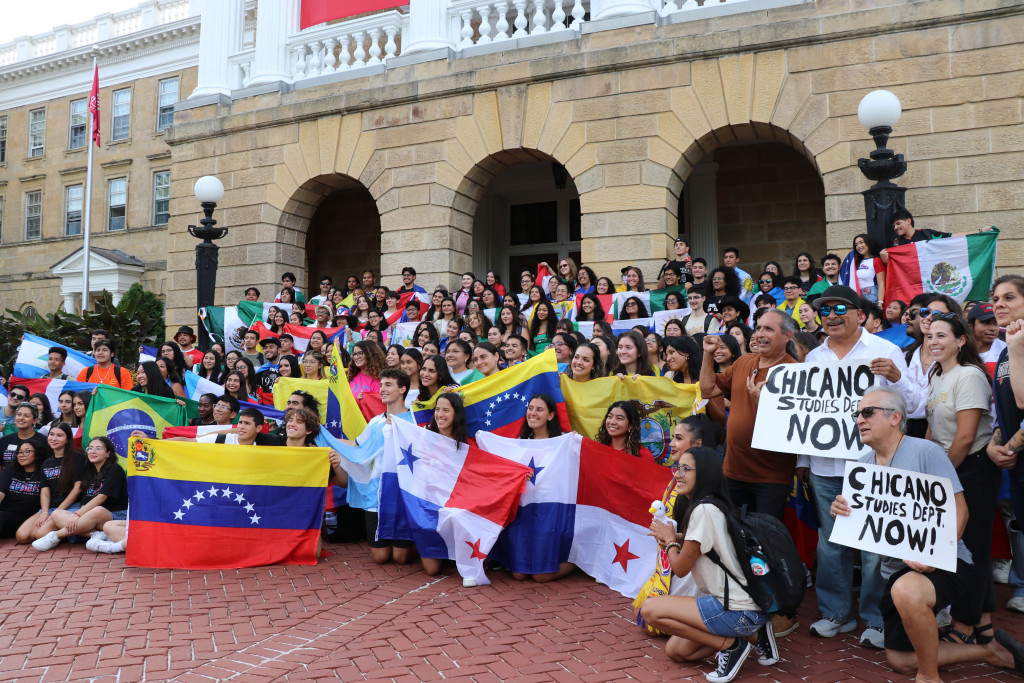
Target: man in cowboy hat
[186,339]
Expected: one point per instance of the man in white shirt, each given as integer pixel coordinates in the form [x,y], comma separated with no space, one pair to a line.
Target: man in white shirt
[323,317]
[841,316]
[325,286]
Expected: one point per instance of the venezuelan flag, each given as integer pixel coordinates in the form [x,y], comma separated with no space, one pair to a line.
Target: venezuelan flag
[498,403]
[213,506]
[116,413]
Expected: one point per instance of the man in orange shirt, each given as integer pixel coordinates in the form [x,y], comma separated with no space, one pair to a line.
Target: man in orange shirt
[106,371]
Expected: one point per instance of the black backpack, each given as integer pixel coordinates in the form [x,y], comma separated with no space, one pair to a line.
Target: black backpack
[117,373]
[774,575]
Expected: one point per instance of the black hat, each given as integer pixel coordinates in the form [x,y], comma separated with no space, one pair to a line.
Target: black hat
[185,329]
[737,303]
[982,312]
[270,340]
[840,293]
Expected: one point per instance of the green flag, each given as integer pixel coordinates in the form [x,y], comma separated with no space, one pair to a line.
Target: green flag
[116,413]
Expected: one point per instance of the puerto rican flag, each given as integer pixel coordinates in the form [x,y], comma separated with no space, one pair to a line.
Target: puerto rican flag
[451,499]
[584,503]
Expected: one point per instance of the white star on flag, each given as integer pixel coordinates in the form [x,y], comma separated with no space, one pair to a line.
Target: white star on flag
[199,495]
[506,395]
[179,514]
[239,498]
[213,492]
[187,503]
[227,493]
[516,395]
[250,507]
[492,404]
[487,422]
[255,519]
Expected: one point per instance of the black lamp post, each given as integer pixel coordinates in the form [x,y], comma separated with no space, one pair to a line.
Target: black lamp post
[879,111]
[208,190]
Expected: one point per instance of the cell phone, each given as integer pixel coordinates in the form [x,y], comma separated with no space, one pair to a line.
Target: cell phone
[715,334]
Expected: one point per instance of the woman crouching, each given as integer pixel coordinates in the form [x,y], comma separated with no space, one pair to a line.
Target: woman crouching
[701,626]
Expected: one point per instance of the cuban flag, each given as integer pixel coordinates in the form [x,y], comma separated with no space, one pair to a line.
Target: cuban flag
[586,504]
[52,388]
[498,403]
[34,353]
[451,499]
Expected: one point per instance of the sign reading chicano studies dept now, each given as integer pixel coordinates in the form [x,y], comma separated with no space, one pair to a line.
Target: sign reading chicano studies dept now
[898,513]
[807,409]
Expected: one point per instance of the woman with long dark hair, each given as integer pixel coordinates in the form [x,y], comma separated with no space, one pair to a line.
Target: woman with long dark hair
[804,270]
[170,376]
[245,368]
[870,269]
[542,328]
[367,363]
[434,376]
[590,308]
[62,472]
[172,352]
[633,309]
[586,280]
[724,282]
[630,356]
[79,407]
[21,484]
[541,419]
[620,429]
[604,285]
[449,420]
[288,366]
[634,279]
[586,364]
[683,358]
[149,380]
[105,496]
[65,404]
[699,627]
[42,403]
[211,367]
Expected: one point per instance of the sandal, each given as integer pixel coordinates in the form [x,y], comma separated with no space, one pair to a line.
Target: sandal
[983,634]
[949,634]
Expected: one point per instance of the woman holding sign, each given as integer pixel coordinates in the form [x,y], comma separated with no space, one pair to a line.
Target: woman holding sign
[700,627]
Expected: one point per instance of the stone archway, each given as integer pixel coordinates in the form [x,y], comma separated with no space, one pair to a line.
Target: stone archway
[758,189]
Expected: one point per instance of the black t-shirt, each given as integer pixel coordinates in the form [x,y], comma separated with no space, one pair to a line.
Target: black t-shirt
[270,439]
[10,444]
[114,486]
[21,490]
[1007,412]
[684,270]
[921,235]
[51,471]
[265,379]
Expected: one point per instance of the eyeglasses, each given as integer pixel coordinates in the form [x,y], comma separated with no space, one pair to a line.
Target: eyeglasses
[826,310]
[868,412]
[685,468]
[719,278]
[790,287]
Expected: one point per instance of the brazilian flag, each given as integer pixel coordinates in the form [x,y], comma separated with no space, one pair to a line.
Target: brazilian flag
[116,413]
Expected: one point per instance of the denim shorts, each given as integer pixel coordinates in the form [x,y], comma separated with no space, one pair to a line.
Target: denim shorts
[119,515]
[70,508]
[729,623]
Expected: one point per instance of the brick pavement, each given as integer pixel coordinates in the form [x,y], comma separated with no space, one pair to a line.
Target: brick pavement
[72,615]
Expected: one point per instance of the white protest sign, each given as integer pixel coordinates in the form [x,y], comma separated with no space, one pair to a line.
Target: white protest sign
[807,409]
[898,513]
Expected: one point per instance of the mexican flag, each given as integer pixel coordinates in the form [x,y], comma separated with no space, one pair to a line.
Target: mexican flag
[225,325]
[961,267]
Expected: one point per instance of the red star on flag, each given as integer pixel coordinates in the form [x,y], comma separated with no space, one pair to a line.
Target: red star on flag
[622,554]
[476,554]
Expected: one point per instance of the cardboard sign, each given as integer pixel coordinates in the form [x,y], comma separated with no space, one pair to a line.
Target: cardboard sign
[807,409]
[898,513]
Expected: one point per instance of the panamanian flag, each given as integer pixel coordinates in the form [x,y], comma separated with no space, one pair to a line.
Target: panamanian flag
[451,499]
[34,353]
[961,267]
[584,503]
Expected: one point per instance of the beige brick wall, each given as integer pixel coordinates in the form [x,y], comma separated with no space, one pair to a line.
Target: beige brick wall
[628,112]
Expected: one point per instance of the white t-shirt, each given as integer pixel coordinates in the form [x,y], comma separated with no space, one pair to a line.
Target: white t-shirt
[866,274]
[962,388]
[707,526]
[229,439]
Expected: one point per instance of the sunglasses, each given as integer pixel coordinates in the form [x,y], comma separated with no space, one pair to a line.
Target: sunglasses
[923,312]
[868,412]
[19,397]
[826,310]
[765,282]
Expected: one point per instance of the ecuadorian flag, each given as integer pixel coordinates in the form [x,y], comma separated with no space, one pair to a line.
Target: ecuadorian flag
[116,413]
[214,506]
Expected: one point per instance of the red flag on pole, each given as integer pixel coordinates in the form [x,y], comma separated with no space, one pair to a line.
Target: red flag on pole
[314,12]
[94,104]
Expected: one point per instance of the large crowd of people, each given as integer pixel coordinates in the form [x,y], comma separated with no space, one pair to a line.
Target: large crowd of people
[947,403]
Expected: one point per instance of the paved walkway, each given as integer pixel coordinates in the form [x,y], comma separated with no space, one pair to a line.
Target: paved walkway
[73,615]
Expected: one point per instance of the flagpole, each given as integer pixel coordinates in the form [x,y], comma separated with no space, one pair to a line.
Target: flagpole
[86,219]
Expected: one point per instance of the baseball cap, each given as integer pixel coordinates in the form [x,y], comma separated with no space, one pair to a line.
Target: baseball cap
[982,312]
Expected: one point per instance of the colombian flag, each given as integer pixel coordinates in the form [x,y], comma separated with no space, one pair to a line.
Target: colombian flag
[116,413]
[345,419]
[498,403]
[214,506]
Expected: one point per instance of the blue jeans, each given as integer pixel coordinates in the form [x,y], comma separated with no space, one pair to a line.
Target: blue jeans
[729,623]
[834,579]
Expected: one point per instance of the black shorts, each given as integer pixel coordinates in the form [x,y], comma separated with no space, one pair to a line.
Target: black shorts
[950,589]
[371,534]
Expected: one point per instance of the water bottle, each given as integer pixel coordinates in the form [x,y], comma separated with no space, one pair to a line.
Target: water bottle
[758,566]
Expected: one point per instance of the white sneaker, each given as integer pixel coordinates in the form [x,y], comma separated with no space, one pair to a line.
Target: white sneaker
[47,542]
[99,535]
[873,638]
[93,543]
[827,628]
[1016,604]
[1001,570]
[111,547]
[943,618]
[469,583]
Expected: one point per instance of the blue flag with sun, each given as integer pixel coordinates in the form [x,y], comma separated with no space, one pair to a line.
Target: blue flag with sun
[116,413]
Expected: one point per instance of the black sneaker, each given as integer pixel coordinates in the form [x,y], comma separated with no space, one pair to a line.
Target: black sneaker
[767,649]
[729,662]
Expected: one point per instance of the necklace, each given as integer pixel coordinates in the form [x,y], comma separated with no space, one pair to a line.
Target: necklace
[102,379]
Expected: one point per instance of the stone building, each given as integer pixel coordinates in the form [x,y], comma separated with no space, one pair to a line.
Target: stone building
[490,139]
[147,58]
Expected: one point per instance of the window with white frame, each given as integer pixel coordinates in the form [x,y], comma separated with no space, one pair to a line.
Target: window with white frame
[33,214]
[3,139]
[161,197]
[36,132]
[1,218]
[79,120]
[120,125]
[165,105]
[73,210]
[117,202]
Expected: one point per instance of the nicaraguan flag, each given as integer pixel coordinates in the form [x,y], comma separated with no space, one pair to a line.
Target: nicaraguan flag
[34,353]
[451,499]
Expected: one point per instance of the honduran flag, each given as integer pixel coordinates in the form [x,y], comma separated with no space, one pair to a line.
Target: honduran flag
[451,499]
[498,403]
[586,504]
[52,388]
[34,353]
[961,267]
[213,506]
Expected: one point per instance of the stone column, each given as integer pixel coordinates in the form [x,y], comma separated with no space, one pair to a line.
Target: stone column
[609,9]
[428,27]
[702,210]
[220,37]
[70,305]
[275,21]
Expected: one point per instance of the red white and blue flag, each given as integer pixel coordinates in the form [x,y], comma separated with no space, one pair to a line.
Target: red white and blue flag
[451,499]
[586,504]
